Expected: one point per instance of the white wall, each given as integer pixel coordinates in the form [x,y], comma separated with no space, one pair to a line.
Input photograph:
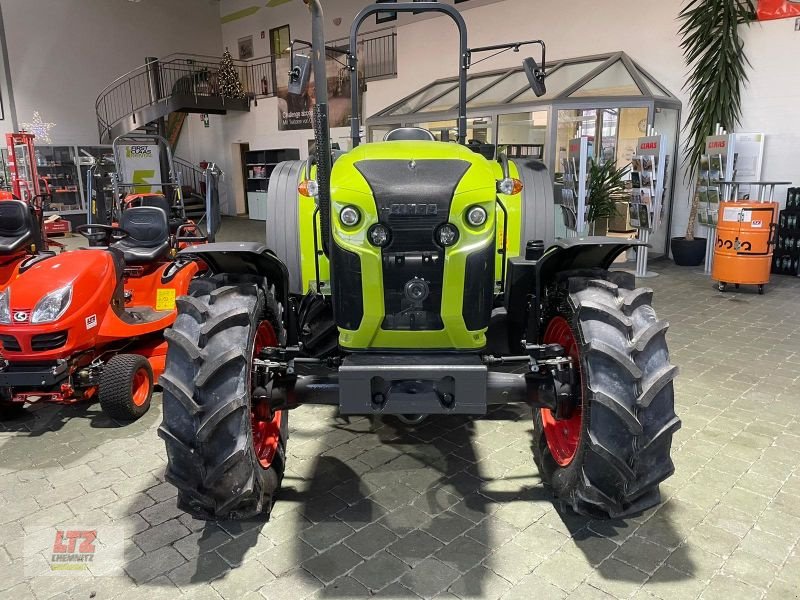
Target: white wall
[295,14]
[64,52]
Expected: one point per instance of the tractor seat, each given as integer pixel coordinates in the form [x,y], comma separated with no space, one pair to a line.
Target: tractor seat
[409,134]
[148,238]
[161,202]
[16,226]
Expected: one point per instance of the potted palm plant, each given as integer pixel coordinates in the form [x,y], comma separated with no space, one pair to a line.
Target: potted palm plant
[714,52]
[604,189]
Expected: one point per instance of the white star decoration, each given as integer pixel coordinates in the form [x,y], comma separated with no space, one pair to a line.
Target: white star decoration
[39,128]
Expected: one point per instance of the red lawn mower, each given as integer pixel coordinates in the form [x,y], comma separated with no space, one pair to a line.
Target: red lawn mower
[89,323]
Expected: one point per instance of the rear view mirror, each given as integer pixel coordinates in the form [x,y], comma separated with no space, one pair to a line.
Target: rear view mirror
[535,75]
[300,74]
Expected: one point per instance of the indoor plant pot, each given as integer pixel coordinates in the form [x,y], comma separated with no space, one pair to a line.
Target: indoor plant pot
[688,253]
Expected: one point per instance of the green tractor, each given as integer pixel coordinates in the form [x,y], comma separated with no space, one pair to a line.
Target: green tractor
[401,281]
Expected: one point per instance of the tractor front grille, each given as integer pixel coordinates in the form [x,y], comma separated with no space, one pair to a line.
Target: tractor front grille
[413,198]
[10,343]
[48,341]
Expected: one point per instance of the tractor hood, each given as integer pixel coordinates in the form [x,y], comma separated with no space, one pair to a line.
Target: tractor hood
[475,173]
[89,272]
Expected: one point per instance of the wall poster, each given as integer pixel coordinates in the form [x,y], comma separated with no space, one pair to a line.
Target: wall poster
[296,111]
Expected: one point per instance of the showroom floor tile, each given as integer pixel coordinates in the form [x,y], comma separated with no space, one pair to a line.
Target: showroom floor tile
[453,508]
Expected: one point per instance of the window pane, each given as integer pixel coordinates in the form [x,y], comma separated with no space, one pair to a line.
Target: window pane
[501,90]
[450,99]
[425,96]
[560,79]
[614,81]
[655,89]
[523,134]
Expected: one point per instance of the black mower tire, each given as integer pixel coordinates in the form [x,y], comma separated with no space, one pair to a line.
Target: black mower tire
[10,410]
[207,425]
[118,387]
[628,416]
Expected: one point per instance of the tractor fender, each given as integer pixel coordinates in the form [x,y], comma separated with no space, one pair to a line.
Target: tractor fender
[568,257]
[580,253]
[247,258]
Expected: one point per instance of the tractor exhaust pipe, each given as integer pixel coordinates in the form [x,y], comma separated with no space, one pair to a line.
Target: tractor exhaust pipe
[322,134]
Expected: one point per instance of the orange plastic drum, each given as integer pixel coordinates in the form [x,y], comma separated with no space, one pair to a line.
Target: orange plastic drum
[744,244]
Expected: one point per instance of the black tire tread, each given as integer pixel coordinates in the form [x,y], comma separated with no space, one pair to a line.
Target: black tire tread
[206,425]
[115,393]
[628,386]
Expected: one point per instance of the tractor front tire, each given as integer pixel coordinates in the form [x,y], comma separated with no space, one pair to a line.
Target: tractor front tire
[608,459]
[126,387]
[225,452]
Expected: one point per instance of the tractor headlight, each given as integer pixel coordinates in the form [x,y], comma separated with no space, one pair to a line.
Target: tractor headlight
[379,235]
[476,216]
[509,186]
[52,306]
[447,234]
[5,308]
[349,216]
[308,188]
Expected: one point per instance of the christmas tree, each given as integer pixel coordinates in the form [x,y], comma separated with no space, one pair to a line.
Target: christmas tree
[229,84]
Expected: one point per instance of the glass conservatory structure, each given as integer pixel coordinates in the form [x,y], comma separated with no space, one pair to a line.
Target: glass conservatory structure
[608,97]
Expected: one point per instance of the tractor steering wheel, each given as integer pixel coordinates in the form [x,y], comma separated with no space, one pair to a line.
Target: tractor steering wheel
[101,235]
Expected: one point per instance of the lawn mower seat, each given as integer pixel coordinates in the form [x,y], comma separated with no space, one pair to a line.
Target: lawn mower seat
[17,226]
[148,234]
[409,134]
[162,203]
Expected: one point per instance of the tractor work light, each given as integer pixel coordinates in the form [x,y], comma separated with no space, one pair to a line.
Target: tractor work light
[308,188]
[379,235]
[509,186]
[5,308]
[349,216]
[476,216]
[52,306]
[447,234]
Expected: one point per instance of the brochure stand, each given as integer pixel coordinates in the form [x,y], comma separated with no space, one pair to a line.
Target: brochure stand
[647,193]
[734,157]
[573,199]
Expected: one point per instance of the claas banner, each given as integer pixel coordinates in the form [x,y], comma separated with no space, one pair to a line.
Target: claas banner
[778,9]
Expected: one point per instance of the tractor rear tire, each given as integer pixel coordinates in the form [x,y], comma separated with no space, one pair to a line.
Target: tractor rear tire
[209,414]
[126,387]
[608,459]
[283,219]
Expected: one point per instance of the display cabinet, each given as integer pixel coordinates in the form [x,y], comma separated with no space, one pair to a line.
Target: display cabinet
[60,178]
[259,165]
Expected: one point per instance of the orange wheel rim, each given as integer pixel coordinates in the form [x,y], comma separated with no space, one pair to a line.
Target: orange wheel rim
[140,387]
[266,424]
[563,437]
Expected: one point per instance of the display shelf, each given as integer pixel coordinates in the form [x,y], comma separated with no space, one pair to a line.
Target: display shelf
[786,258]
[259,165]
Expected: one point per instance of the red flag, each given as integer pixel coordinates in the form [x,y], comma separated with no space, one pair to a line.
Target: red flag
[778,9]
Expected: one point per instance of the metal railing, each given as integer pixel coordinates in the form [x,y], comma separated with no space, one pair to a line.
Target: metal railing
[197,76]
[191,175]
[377,53]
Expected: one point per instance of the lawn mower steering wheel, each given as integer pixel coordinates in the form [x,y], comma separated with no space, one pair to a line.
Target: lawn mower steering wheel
[102,235]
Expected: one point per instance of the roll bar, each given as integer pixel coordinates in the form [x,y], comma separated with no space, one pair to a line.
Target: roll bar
[464,54]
